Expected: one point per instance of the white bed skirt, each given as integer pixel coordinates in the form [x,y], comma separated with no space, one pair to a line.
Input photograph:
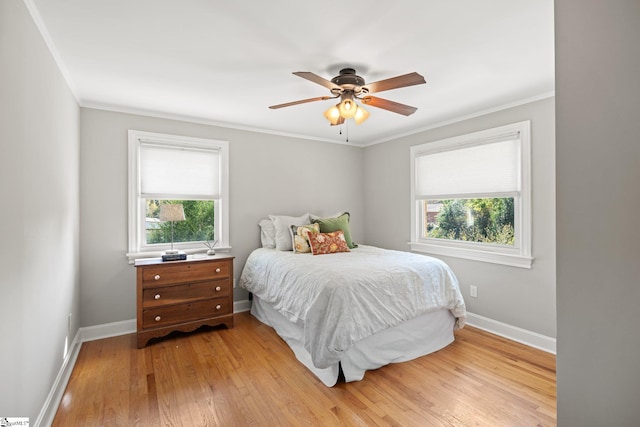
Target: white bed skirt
[414,338]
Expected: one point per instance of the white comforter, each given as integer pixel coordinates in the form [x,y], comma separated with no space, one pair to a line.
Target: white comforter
[342,298]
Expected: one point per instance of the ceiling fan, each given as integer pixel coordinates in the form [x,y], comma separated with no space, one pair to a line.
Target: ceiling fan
[348,86]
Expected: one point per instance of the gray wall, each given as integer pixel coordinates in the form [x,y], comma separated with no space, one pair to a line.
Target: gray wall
[598,205]
[268,175]
[39,284]
[519,297]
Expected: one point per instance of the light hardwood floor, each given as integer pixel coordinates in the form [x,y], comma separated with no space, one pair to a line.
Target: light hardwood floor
[247,376]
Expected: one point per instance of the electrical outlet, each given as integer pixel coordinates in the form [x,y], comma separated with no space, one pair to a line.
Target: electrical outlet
[69,323]
[473,291]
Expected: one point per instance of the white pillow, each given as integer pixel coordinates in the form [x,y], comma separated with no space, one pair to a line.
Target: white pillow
[267,233]
[282,224]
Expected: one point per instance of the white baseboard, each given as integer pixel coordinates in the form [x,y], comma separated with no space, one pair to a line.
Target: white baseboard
[108,330]
[240,306]
[50,407]
[523,336]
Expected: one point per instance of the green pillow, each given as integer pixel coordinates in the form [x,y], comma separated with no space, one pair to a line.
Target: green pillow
[328,225]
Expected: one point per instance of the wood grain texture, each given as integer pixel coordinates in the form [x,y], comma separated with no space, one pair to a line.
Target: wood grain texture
[248,376]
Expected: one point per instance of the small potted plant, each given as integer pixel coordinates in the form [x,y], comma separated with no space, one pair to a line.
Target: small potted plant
[210,246]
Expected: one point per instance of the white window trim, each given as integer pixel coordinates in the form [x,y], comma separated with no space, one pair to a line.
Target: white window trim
[517,256]
[136,210]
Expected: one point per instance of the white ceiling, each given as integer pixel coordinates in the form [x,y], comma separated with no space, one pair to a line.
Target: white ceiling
[225,62]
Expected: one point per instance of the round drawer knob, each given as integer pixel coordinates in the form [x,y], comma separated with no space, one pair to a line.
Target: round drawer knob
[218,288]
[158,318]
[218,270]
[218,307]
[157,296]
[156,277]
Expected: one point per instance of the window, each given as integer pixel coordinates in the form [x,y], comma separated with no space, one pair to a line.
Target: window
[471,196]
[174,169]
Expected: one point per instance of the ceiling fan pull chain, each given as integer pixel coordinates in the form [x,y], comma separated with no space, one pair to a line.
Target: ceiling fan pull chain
[347,126]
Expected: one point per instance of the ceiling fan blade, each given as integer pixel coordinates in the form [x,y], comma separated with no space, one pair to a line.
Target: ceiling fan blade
[317,79]
[385,104]
[302,101]
[410,79]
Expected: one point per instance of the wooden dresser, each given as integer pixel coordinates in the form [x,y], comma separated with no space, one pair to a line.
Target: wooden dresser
[183,295]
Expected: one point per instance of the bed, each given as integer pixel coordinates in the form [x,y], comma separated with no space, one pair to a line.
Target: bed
[355,310]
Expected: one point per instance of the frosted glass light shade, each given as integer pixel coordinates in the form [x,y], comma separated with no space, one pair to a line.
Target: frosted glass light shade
[348,108]
[333,115]
[361,115]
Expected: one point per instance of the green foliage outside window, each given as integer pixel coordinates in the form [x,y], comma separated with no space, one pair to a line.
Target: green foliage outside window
[487,220]
[198,224]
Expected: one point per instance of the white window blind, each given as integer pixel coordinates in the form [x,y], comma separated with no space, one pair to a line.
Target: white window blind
[489,168]
[179,172]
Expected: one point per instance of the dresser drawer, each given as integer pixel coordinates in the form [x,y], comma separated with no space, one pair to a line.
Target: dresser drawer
[173,314]
[159,296]
[158,275]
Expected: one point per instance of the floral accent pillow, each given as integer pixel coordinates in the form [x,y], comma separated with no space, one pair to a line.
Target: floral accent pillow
[300,237]
[328,243]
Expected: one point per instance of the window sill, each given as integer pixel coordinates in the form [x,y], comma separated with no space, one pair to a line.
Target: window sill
[133,256]
[511,260]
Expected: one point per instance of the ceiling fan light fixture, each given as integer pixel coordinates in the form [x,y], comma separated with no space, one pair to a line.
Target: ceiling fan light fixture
[349,87]
[333,115]
[361,115]
[348,108]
